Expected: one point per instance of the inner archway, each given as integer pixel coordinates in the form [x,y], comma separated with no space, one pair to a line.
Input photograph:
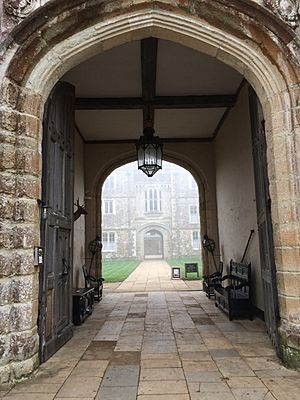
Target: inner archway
[148,219]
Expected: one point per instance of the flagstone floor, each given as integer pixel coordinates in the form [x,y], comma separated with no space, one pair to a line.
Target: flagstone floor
[167,345]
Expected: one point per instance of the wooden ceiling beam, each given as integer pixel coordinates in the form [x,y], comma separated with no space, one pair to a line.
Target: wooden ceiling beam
[158,102]
[109,103]
[149,66]
[163,140]
[209,101]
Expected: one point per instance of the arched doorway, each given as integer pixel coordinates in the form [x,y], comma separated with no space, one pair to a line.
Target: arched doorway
[153,245]
[32,65]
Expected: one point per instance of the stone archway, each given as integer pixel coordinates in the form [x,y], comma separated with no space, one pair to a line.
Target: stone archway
[101,169]
[40,50]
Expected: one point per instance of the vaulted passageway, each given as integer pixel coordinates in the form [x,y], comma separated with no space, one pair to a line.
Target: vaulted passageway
[203,120]
[200,109]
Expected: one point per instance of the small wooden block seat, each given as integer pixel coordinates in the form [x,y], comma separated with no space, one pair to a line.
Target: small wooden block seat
[83,299]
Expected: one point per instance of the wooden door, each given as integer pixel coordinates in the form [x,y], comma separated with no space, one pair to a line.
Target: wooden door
[55,308]
[264,222]
[153,245]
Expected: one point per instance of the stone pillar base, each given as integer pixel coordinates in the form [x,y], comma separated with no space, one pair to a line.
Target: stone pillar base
[17,371]
[289,334]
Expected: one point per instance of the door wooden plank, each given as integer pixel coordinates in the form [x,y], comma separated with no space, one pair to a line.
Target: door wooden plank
[264,221]
[55,313]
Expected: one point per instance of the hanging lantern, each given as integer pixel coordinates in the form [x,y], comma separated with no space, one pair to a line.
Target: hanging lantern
[149,152]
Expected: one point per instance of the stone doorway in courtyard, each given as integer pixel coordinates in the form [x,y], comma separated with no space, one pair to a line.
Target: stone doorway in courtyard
[153,245]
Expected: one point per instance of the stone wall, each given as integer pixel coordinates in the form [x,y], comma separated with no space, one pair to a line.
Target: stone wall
[79,256]
[12,12]
[236,193]
[20,176]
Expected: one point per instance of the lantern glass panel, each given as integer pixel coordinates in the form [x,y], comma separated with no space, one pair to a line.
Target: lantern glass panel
[149,154]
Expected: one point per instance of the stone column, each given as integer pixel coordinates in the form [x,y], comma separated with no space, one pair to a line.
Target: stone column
[283,164]
[19,231]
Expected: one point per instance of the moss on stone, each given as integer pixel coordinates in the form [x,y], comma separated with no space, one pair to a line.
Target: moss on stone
[291,357]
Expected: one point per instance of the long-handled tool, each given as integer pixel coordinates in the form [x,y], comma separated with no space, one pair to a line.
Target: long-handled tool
[210,245]
[95,246]
[247,245]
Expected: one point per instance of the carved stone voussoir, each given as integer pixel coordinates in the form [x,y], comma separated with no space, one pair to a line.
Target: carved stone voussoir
[288,10]
[19,8]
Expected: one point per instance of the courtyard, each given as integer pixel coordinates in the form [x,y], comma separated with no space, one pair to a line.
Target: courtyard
[169,342]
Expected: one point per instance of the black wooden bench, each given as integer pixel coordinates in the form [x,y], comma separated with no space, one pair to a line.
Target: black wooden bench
[92,282]
[235,298]
[211,280]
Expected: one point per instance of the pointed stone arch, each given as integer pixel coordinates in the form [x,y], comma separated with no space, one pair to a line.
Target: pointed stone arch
[94,198]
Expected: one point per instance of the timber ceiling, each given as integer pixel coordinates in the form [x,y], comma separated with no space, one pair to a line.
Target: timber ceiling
[183,93]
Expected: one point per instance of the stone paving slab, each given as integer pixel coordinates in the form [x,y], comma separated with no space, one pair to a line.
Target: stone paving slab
[161,374]
[223,353]
[253,394]
[79,386]
[211,396]
[165,387]
[30,396]
[125,358]
[201,377]
[33,387]
[203,366]
[94,368]
[209,387]
[121,376]
[244,382]
[157,363]
[53,375]
[117,393]
[165,397]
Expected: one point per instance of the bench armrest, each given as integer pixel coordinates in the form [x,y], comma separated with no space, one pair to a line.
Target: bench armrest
[236,287]
[213,275]
[216,280]
[231,277]
[93,279]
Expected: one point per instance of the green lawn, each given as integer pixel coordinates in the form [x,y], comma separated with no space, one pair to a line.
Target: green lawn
[179,262]
[119,270]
